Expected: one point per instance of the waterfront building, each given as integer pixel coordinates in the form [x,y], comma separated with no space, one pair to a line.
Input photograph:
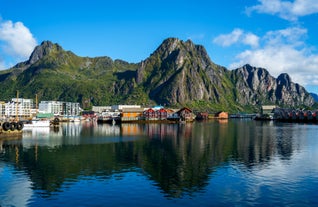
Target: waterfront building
[122,107]
[100,109]
[59,108]
[202,116]
[268,109]
[155,114]
[186,114]
[19,106]
[2,109]
[131,114]
[222,115]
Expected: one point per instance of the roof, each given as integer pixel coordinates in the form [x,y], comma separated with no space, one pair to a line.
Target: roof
[127,110]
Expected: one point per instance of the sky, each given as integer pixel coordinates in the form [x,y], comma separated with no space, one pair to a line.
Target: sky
[278,35]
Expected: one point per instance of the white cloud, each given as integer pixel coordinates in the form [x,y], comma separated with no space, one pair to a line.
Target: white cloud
[289,10]
[294,36]
[251,39]
[229,39]
[283,51]
[235,37]
[16,40]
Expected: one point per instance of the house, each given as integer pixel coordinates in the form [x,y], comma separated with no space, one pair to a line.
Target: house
[268,109]
[149,114]
[155,114]
[184,114]
[131,114]
[162,114]
[202,116]
[222,115]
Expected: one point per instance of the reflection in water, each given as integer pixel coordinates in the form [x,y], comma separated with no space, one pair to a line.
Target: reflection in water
[180,159]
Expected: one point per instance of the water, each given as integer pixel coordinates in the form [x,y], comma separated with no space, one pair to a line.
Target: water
[227,163]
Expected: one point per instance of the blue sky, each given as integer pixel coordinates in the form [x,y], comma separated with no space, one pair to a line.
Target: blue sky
[279,35]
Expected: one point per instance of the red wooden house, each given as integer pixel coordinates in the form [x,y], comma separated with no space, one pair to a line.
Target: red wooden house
[152,114]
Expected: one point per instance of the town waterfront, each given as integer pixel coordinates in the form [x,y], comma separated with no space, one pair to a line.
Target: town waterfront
[214,163]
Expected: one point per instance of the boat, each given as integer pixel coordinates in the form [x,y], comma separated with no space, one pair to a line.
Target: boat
[37,123]
[75,119]
[264,117]
[109,117]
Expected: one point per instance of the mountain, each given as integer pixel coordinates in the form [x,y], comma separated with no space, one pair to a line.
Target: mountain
[257,86]
[55,74]
[315,96]
[180,72]
[176,74]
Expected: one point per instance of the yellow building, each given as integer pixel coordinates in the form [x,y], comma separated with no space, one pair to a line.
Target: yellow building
[131,114]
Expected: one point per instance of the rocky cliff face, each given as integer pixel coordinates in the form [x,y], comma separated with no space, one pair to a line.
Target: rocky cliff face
[42,50]
[257,86]
[181,72]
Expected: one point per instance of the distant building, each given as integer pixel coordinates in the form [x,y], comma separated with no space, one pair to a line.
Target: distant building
[267,109]
[184,114]
[222,115]
[130,114]
[59,108]
[202,116]
[121,107]
[100,109]
[155,114]
[18,107]
[2,109]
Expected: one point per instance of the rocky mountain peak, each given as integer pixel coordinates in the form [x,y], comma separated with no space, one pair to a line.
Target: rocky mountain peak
[284,79]
[42,50]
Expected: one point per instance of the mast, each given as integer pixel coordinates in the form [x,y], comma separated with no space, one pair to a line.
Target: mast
[36,102]
[16,108]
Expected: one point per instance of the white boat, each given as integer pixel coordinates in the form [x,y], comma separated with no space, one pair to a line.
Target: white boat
[110,117]
[36,123]
[75,120]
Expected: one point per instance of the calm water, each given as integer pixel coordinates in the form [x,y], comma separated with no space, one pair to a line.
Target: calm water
[229,163]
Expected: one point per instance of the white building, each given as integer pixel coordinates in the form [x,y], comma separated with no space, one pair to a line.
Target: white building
[121,107]
[100,109]
[59,108]
[21,107]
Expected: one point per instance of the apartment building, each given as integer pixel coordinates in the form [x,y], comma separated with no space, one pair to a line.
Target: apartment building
[59,108]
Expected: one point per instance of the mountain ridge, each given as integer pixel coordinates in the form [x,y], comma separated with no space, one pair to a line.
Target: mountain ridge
[177,73]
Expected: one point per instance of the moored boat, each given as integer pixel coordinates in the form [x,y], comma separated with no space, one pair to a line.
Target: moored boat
[37,123]
[109,117]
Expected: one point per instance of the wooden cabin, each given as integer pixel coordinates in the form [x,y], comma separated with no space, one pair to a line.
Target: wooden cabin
[161,114]
[222,115]
[202,116]
[149,114]
[155,114]
[185,114]
[131,114]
